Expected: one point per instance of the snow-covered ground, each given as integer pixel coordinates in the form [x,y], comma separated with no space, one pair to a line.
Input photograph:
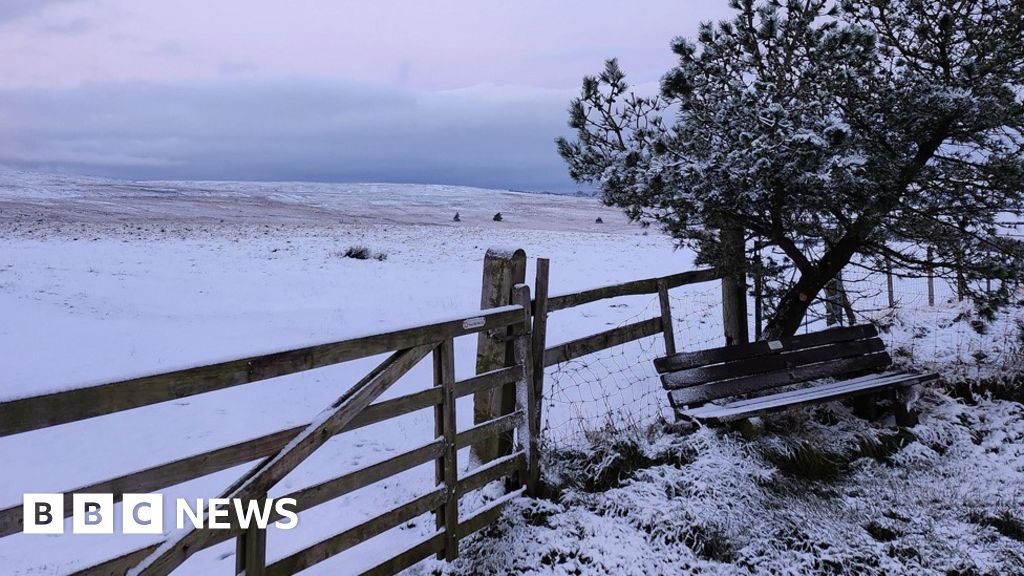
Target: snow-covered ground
[102,280]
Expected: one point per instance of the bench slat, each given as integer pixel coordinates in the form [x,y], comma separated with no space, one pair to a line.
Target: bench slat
[797,392]
[685,360]
[816,394]
[745,385]
[787,359]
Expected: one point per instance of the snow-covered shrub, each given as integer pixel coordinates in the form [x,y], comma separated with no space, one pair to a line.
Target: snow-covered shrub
[610,456]
[359,252]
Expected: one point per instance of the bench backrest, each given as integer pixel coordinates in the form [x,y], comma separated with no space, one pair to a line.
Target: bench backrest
[698,377]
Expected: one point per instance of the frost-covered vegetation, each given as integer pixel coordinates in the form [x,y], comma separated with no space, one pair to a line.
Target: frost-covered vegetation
[360,252]
[813,491]
[817,491]
[829,131]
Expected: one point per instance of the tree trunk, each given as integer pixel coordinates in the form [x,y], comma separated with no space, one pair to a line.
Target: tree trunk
[734,285]
[794,303]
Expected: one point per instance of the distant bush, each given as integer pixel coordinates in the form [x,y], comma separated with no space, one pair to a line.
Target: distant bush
[362,253]
[497,217]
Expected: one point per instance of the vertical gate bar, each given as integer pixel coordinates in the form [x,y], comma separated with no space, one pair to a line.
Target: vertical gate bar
[251,552]
[538,339]
[439,463]
[526,393]
[446,356]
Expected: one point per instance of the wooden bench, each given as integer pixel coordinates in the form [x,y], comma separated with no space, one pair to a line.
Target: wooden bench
[736,382]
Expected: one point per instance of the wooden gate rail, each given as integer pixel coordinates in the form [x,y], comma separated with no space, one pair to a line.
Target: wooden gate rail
[631,288]
[573,349]
[25,414]
[216,460]
[601,341]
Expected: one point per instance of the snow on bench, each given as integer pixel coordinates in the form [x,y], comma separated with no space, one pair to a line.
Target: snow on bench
[734,382]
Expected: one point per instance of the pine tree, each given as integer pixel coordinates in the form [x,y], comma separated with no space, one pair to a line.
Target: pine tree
[856,131]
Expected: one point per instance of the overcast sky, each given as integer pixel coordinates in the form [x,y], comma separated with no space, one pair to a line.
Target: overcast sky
[471,92]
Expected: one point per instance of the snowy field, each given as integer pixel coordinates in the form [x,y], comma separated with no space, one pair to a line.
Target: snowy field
[103,280]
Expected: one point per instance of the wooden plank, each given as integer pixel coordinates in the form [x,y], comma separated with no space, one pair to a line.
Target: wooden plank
[330,489]
[251,552]
[684,360]
[800,391]
[305,498]
[769,363]
[198,465]
[539,339]
[487,515]
[488,380]
[396,564]
[667,329]
[446,354]
[812,395]
[117,566]
[346,539]
[489,428]
[439,462]
[528,433]
[748,384]
[393,408]
[504,466]
[255,484]
[24,414]
[633,288]
[597,342]
[161,476]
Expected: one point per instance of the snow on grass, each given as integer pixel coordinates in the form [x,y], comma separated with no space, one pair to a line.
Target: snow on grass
[818,492]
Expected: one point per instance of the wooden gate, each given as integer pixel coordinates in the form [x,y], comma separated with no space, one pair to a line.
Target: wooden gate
[280,452]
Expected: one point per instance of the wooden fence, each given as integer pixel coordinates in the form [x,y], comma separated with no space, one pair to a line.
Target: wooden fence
[522,325]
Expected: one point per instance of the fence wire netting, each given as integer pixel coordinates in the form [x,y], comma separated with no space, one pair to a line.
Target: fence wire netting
[618,388]
[928,323]
[924,322]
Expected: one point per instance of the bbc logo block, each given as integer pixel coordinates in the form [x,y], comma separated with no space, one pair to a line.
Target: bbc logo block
[93,514]
[144,513]
[43,513]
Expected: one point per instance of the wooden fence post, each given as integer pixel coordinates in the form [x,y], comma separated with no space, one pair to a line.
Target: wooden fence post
[734,286]
[251,552]
[538,339]
[526,394]
[503,269]
[666,318]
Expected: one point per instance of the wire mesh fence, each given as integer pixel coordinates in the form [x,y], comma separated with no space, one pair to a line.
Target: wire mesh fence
[925,322]
[618,388]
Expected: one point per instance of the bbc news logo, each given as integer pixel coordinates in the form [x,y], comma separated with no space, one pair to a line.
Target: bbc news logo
[144,513]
